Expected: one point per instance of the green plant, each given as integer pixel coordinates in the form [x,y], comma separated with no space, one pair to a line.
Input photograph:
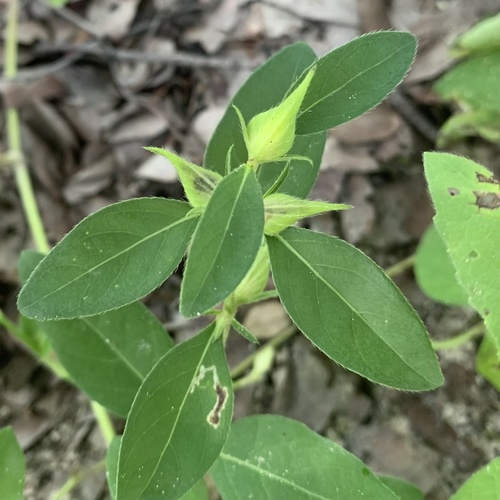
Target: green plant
[472,85]
[464,241]
[80,299]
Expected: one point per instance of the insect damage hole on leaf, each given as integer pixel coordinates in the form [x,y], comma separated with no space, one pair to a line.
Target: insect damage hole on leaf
[221,393]
[487,200]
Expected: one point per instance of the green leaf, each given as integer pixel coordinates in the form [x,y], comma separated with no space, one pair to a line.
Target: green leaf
[354,78]
[244,331]
[488,362]
[198,182]
[110,259]
[198,492]
[108,355]
[403,489]
[483,485]
[225,242]
[434,271]
[178,422]
[302,175]
[12,465]
[265,88]
[467,202]
[473,83]
[283,210]
[348,307]
[112,465]
[485,35]
[267,456]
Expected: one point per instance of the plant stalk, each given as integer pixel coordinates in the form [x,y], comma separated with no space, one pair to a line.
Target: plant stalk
[460,339]
[25,187]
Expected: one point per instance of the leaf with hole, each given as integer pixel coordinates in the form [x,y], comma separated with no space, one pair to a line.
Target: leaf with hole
[348,307]
[467,201]
[110,259]
[178,422]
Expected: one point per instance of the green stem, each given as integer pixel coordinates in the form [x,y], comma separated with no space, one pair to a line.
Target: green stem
[74,480]
[25,187]
[460,339]
[104,422]
[15,153]
[400,266]
[274,342]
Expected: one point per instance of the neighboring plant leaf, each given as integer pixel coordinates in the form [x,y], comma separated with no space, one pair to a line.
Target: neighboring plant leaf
[178,422]
[110,259]
[481,122]
[265,88]
[488,362]
[225,242]
[198,182]
[403,489]
[348,307]
[112,465]
[354,78]
[483,485]
[12,466]
[473,84]
[107,355]
[282,211]
[434,271]
[467,202]
[267,456]
[485,35]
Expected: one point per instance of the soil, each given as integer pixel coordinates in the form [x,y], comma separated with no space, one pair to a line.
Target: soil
[86,111]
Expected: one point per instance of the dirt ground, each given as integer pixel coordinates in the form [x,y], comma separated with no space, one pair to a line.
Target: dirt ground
[99,79]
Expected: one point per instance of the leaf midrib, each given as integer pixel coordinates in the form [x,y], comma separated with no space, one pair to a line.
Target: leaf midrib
[315,273]
[109,259]
[271,475]
[181,407]
[358,75]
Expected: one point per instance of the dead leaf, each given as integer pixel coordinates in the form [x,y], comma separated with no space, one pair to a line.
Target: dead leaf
[266,319]
[112,18]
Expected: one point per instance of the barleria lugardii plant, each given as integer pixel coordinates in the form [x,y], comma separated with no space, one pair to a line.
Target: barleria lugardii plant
[236,226]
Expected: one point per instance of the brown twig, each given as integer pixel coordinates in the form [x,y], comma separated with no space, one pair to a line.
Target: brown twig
[110,52]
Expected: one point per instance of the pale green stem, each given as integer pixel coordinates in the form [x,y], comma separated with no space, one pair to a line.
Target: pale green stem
[74,480]
[104,422]
[274,343]
[400,266]
[23,181]
[460,339]
[15,153]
